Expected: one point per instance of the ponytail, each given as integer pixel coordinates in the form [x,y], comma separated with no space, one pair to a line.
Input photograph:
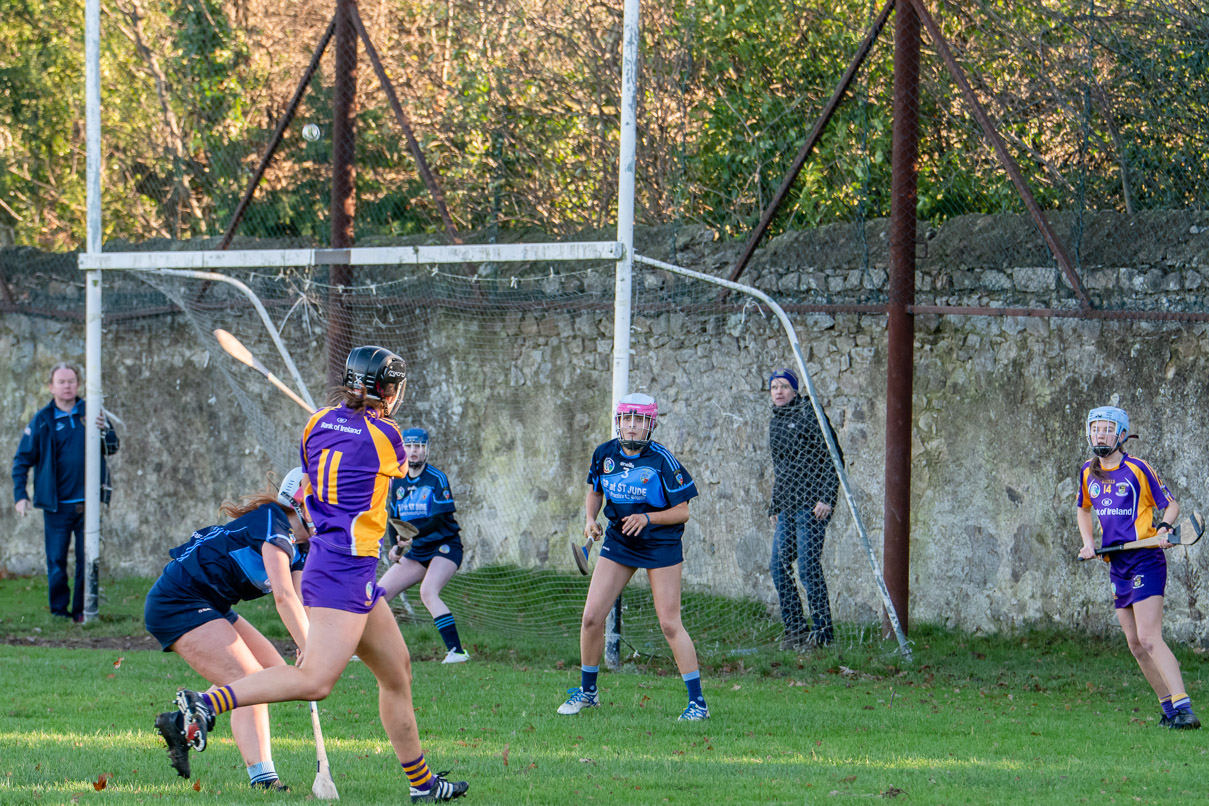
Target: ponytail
[254,499]
[355,399]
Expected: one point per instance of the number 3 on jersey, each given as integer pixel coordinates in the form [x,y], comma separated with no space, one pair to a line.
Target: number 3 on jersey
[329,463]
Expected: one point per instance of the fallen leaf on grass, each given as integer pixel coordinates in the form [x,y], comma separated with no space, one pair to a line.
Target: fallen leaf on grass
[893,792]
[197,785]
[117,664]
[101,781]
[849,779]
[736,687]
[586,761]
[505,755]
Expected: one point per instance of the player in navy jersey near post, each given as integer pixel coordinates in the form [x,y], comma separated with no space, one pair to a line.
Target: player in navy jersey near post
[350,451]
[645,494]
[1123,493]
[188,610]
[424,501]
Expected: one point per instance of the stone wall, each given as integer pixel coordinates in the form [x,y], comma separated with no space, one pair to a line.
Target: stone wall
[516,403]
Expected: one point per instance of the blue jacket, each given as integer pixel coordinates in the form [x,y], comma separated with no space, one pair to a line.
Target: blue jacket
[36,450]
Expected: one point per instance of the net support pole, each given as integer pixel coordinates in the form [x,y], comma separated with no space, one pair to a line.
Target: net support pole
[900,336]
[266,320]
[343,198]
[92,308]
[625,266]
[812,140]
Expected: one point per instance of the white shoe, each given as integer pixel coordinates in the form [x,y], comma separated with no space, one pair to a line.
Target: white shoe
[578,701]
[453,656]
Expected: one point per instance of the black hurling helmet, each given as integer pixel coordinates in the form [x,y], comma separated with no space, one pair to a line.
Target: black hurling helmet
[379,372]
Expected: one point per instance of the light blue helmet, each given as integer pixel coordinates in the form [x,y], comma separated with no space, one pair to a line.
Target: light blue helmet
[415,436]
[1111,414]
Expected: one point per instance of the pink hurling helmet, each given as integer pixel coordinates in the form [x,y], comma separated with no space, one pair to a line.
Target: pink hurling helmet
[638,405]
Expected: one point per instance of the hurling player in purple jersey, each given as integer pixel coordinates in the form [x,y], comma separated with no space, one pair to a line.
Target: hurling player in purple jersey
[645,493]
[1123,492]
[350,452]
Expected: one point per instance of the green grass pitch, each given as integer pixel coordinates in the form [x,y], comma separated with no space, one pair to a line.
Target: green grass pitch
[1035,718]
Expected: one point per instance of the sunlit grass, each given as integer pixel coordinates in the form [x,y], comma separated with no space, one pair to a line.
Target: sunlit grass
[974,720]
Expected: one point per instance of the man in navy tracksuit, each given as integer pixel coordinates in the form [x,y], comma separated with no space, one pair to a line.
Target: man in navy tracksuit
[53,445]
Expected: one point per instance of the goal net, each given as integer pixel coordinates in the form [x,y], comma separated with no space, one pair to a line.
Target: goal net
[510,371]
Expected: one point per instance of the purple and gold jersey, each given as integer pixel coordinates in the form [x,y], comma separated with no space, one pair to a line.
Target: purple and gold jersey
[350,458]
[1125,502]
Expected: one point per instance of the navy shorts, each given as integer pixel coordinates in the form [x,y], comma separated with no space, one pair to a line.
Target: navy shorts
[451,550]
[174,608]
[641,555]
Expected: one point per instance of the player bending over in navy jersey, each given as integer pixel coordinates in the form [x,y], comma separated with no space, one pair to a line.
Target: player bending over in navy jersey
[1124,491]
[645,493]
[424,501]
[189,610]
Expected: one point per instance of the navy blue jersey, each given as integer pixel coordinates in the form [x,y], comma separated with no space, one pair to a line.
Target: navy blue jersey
[652,481]
[225,561]
[426,502]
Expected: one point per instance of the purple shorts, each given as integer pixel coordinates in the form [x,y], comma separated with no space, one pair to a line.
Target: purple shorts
[339,581]
[1130,588]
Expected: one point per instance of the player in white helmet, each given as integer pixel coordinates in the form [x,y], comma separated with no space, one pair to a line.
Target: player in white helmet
[188,610]
[1121,492]
[645,493]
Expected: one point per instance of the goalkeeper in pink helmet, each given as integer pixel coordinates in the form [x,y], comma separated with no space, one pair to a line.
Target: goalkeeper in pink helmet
[645,492]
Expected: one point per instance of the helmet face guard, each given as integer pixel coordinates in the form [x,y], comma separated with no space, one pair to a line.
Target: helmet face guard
[645,410]
[1120,421]
[381,374]
[292,494]
[415,442]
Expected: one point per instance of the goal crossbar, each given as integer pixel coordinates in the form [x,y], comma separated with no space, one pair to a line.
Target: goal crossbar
[358,256]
